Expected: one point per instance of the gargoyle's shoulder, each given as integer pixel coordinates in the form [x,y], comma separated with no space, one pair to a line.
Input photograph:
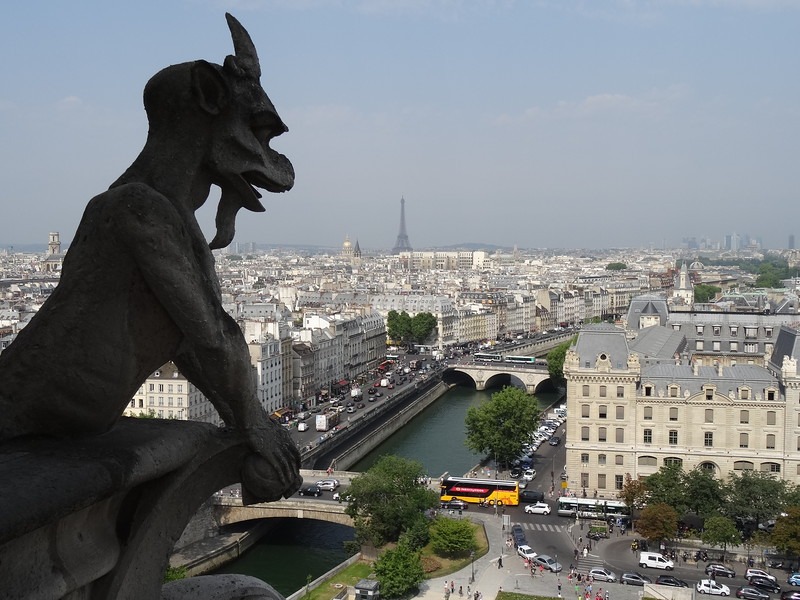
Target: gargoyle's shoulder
[134,198]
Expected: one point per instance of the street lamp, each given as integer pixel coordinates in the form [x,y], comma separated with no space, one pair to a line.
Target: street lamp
[472,557]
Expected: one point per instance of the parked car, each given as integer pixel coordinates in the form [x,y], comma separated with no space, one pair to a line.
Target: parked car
[708,586]
[455,504]
[670,580]
[719,570]
[529,474]
[310,490]
[790,595]
[515,472]
[602,574]
[548,562]
[518,534]
[328,484]
[751,593]
[634,579]
[540,508]
[765,584]
[794,579]
[554,441]
[526,552]
[759,573]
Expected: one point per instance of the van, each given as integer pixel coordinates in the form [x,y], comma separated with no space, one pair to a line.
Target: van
[655,560]
[302,426]
[531,496]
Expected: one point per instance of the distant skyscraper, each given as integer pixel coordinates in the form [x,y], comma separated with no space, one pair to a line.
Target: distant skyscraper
[791,241]
[402,244]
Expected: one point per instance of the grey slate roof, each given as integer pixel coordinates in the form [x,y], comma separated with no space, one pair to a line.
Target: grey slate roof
[602,338]
[663,375]
[647,304]
[787,344]
[658,344]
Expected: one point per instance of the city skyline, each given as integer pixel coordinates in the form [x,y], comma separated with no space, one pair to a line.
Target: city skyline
[613,124]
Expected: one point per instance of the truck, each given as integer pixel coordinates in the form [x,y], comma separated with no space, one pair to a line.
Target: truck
[384,382]
[414,364]
[327,420]
[355,392]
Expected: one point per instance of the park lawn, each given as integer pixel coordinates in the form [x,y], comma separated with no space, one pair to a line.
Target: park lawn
[347,577]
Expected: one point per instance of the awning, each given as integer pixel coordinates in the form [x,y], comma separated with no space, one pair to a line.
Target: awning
[343,382]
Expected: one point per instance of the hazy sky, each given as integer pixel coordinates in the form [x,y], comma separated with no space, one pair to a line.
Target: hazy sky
[552,123]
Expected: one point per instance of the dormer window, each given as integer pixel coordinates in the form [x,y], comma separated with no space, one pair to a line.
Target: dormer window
[744,393]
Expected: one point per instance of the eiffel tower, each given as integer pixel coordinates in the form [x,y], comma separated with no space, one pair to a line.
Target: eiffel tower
[402,245]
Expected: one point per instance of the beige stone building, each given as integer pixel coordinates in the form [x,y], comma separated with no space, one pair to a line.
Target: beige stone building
[165,394]
[630,413]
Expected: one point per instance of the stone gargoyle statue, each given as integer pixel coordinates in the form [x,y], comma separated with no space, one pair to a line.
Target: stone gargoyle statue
[138,286]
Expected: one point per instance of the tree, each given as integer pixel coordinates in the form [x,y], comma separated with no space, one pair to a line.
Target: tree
[398,326]
[754,496]
[665,486]
[399,571]
[500,427]
[616,266]
[704,292]
[452,537]
[786,534]
[633,492]
[388,499]
[658,522]
[720,531]
[422,325]
[555,362]
[702,492]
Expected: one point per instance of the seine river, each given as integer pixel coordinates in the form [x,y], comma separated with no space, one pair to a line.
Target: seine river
[301,548]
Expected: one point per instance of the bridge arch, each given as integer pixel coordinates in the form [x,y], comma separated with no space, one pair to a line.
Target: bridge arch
[228,511]
[498,374]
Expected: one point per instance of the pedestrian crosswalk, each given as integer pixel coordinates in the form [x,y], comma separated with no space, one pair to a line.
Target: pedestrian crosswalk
[542,527]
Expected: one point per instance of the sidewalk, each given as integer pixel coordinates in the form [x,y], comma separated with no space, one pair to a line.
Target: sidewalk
[513,576]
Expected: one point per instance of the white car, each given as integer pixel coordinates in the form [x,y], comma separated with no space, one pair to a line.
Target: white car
[328,484]
[540,508]
[707,586]
[759,573]
[529,474]
[526,552]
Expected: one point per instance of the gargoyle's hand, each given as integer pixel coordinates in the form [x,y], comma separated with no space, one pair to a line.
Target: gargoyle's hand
[273,471]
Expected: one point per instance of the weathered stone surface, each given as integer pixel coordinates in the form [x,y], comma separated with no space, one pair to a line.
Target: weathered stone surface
[220,587]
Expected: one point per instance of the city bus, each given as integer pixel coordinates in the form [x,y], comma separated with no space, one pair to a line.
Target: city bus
[488,356]
[526,360]
[392,357]
[592,508]
[492,491]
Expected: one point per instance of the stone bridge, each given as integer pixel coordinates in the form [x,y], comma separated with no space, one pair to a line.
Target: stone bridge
[491,374]
[230,510]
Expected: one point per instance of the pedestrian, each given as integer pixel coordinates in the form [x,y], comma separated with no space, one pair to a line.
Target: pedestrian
[500,563]
[446,586]
[500,590]
[608,595]
[576,555]
[541,570]
[460,591]
[585,552]
[469,591]
[452,586]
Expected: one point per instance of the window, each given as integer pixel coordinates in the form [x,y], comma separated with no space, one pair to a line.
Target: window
[648,413]
[716,346]
[673,391]
[750,347]
[584,480]
[709,393]
[152,387]
[620,412]
[618,460]
[618,482]
[602,411]
[742,465]
[601,481]
[584,411]
[734,330]
[709,467]
[673,437]
[602,391]
[161,400]
[771,417]
[151,401]
[750,333]
[584,434]
[648,461]
[160,387]
[770,441]
[798,444]
[620,435]
[770,468]
[620,391]
[648,390]
[768,332]
[673,461]
[584,459]
[601,458]
[676,326]
[734,346]
[673,414]
[647,438]
[744,440]
[698,345]
[700,329]
[708,439]
[709,415]
[585,391]
[601,434]
[744,416]
[716,329]
[170,387]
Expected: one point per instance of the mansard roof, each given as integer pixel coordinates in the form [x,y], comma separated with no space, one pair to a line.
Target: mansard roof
[658,344]
[602,338]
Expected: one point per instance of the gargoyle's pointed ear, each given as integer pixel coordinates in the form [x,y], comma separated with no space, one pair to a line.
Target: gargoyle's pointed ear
[209,87]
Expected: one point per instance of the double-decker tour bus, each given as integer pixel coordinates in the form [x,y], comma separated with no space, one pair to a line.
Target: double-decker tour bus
[488,356]
[592,508]
[491,491]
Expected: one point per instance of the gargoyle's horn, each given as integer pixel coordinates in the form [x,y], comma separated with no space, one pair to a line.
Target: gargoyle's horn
[245,57]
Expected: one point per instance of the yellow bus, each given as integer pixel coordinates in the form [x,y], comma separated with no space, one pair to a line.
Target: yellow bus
[491,491]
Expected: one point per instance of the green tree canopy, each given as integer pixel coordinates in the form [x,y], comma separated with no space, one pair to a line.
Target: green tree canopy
[387,499]
[500,426]
[720,531]
[786,534]
[633,492]
[704,292]
[398,326]
[555,361]
[616,266]
[422,326]
[658,522]
[399,571]
[452,537]
[665,486]
[754,496]
[703,494]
